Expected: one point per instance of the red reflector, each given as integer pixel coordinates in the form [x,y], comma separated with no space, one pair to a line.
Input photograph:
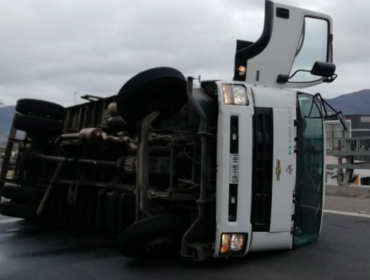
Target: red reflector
[224,249]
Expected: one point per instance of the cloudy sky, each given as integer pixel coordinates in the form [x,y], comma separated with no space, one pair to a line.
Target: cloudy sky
[52,49]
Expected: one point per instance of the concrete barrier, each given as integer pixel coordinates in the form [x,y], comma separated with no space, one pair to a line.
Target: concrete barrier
[348,190]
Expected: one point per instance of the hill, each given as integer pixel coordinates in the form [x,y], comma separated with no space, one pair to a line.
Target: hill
[356,103]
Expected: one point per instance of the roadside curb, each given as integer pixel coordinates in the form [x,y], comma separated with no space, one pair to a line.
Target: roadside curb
[348,190]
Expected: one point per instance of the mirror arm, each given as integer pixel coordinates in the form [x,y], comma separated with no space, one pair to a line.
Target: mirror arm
[282,79]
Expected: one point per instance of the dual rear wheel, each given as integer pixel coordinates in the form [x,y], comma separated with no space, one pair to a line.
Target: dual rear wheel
[39,117]
[159,89]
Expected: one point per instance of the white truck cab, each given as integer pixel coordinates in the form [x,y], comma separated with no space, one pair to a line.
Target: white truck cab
[270,186]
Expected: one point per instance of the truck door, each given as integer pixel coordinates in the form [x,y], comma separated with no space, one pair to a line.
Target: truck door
[292,41]
[310,170]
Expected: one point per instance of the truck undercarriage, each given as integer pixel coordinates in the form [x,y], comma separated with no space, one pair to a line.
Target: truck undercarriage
[158,170]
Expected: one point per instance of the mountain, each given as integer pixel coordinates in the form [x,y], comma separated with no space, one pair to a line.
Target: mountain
[6,118]
[357,103]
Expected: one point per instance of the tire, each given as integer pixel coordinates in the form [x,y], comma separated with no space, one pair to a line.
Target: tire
[41,108]
[38,125]
[158,236]
[160,88]
[22,194]
[18,210]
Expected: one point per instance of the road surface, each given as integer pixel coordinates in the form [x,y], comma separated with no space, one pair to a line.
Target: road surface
[342,252]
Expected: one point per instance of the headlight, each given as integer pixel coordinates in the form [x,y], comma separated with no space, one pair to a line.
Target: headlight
[232,244]
[235,95]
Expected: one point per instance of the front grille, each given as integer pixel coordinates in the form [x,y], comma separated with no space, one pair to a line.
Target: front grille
[234,168]
[262,169]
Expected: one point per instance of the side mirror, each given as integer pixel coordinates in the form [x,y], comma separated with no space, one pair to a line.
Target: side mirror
[324,69]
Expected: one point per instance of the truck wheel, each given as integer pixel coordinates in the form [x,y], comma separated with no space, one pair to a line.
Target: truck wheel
[39,125]
[22,194]
[41,108]
[161,88]
[158,236]
[18,210]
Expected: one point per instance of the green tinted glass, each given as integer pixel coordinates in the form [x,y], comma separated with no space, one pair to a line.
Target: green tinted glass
[310,168]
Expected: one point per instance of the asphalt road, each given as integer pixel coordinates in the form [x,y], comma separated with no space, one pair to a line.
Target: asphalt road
[348,204]
[28,252]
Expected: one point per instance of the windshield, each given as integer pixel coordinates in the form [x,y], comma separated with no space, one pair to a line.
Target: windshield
[313,46]
[310,168]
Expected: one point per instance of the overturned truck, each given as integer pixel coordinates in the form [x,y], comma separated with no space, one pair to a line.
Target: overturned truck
[179,165]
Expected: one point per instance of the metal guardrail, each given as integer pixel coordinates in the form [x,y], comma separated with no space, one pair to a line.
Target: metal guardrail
[349,138]
[348,152]
[349,166]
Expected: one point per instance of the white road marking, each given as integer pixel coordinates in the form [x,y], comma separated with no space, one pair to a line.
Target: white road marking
[8,221]
[353,214]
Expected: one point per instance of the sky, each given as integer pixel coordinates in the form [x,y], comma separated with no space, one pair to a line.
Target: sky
[56,50]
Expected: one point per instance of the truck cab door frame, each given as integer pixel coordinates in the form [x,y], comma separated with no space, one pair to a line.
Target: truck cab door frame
[276,51]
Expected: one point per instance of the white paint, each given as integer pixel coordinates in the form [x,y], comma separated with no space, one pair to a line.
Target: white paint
[284,104]
[244,199]
[267,241]
[283,187]
[274,97]
[352,214]
[278,56]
